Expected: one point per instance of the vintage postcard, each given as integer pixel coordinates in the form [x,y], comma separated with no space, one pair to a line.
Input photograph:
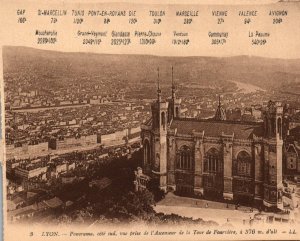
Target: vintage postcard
[131,120]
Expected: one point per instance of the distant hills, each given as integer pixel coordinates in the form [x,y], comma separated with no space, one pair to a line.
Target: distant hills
[200,71]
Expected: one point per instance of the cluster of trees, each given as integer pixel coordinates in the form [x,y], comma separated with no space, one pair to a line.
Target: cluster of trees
[128,208]
[118,203]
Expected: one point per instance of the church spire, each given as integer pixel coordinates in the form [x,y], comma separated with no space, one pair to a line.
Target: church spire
[173,85]
[220,112]
[158,87]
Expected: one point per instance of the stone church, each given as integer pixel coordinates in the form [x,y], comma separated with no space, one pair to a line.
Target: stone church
[215,158]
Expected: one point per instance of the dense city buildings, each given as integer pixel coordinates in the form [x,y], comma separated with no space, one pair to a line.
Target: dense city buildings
[76,138]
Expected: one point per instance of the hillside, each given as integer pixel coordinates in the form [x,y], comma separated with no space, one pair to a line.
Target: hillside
[57,67]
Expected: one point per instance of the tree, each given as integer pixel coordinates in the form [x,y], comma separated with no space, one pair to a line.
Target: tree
[130,206]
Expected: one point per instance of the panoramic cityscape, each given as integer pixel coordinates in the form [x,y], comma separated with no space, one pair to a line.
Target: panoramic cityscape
[97,139]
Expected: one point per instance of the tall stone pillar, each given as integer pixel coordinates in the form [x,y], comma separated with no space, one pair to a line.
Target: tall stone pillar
[171,184]
[258,173]
[199,156]
[227,153]
[279,146]
[163,164]
[279,173]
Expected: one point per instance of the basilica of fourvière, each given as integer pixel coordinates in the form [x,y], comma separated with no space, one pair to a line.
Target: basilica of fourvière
[214,158]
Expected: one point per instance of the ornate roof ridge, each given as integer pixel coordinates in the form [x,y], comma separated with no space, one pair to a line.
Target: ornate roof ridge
[219,121]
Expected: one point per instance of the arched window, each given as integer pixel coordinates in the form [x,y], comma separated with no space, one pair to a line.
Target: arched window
[213,162]
[147,153]
[163,120]
[185,159]
[243,164]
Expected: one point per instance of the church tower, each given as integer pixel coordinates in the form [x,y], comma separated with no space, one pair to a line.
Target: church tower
[174,103]
[273,143]
[159,132]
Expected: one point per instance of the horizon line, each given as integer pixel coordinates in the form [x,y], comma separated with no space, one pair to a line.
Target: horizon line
[153,55]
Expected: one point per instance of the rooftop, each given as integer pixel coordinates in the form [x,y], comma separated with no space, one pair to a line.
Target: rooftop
[215,128]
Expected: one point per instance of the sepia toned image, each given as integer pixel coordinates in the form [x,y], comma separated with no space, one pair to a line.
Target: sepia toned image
[151,121]
[115,139]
